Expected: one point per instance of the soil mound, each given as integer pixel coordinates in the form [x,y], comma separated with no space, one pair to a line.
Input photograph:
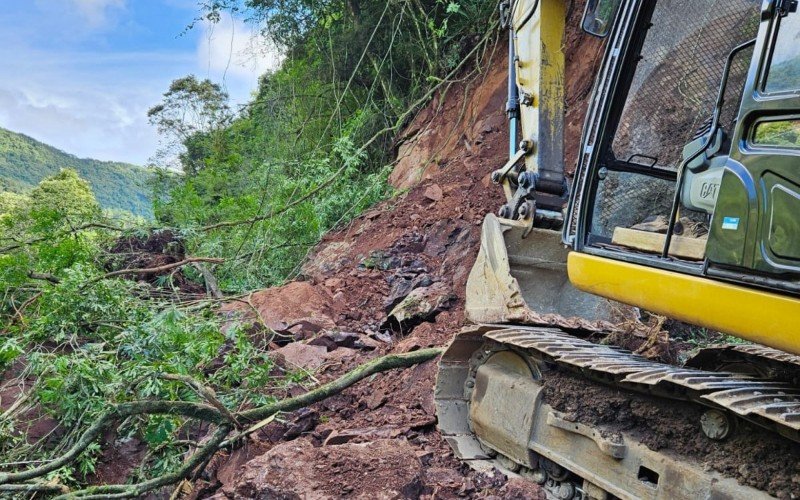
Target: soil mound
[149,251]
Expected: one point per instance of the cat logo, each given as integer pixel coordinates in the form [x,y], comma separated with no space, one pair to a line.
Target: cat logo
[709,190]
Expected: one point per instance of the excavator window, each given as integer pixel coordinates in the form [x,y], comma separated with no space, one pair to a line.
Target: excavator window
[675,84]
[671,96]
[784,67]
[778,133]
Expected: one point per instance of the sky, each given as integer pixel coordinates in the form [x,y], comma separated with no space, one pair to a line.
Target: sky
[80,75]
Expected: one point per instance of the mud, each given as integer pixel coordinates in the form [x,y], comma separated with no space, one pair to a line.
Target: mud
[751,455]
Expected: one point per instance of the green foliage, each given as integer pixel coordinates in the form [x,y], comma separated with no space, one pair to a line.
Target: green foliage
[62,199]
[54,207]
[312,148]
[190,111]
[10,201]
[25,161]
[87,341]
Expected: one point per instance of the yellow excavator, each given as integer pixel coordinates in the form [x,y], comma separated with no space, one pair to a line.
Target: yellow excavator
[684,203]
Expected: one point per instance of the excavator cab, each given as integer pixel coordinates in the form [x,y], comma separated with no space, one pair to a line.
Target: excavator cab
[687,186]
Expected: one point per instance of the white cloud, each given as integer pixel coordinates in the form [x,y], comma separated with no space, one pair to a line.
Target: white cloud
[232,53]
[86,104]
[80,95]
[96,12]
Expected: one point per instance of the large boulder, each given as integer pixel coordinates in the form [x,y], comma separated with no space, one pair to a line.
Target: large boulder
[297,308]
[419,306]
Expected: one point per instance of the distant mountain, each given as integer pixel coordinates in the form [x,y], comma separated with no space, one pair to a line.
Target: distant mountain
[25,161]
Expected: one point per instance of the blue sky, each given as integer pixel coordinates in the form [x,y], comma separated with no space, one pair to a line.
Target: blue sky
[81,74]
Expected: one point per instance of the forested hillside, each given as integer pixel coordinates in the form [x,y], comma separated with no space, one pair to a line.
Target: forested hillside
[24,162]
[315,145]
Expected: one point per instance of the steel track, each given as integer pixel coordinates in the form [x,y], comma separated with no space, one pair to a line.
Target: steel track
[496,417]
[769,404]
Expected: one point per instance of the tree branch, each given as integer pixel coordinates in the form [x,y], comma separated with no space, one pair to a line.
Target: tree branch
[15,481]
[368,369]
[91,225]
[161,269]
[136,490]
[44,277]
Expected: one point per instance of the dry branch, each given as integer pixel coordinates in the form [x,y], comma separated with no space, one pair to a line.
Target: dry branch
[162,269]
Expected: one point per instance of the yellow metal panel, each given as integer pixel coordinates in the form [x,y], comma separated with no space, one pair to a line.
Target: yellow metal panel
[763,317]
[540,74]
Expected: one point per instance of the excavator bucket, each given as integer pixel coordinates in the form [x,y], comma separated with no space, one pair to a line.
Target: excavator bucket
[522,278]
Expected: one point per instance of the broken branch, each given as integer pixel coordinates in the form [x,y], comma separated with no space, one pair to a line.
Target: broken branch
[368,369]
[16,481]
[161,269]
[44,277]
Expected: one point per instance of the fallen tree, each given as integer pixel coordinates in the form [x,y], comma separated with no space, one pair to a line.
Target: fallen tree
[34,480]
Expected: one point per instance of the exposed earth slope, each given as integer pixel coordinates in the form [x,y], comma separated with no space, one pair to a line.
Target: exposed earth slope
[391,281]
[417,247]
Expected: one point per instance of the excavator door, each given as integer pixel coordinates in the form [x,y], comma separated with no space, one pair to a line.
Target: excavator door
[756,228]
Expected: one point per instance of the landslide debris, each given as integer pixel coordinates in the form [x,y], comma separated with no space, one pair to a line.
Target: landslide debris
[153,250]
[381,469]
[391,281]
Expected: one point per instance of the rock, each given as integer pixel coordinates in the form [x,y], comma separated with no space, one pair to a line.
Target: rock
[414,160]
[422,304]
[402,285]
[425,456]
[369,434]
[379,260]
[298,308]
[381,336]
[328,258]
[336,438]
[366,343]
[298,470]
[433,193]
[309,357]
[348,340]
[520,489]
[305,420]
[443,235]
[444,477]
[335,339]
[375,400]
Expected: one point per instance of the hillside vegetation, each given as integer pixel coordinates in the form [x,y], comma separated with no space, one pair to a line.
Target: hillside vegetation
[25,161]
[315,145]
